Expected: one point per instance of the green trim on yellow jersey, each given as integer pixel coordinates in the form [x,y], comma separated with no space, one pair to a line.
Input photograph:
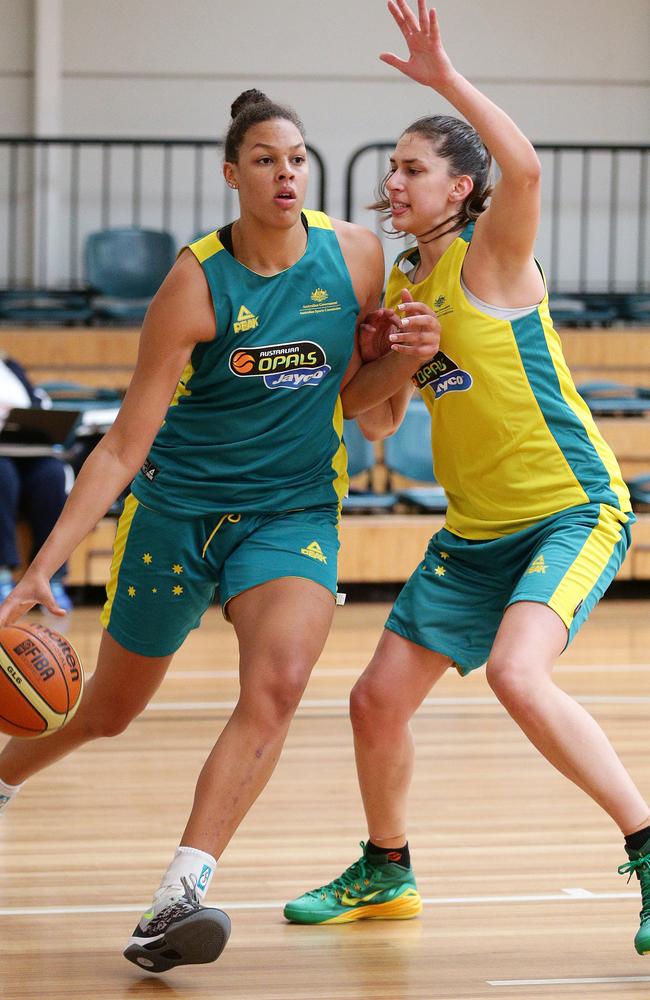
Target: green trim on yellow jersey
[512,441]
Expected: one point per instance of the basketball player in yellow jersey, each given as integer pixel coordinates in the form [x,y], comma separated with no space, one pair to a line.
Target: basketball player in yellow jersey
[538,518]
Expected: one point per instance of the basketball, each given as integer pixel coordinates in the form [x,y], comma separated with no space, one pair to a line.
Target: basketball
[41,680]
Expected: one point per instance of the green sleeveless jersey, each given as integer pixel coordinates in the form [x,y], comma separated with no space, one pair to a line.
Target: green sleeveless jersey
[256,422]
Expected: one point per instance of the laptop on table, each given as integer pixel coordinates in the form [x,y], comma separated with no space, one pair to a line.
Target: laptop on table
[31,431]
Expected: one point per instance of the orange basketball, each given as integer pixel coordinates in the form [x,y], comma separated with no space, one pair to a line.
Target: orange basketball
[242,362]
[41,680]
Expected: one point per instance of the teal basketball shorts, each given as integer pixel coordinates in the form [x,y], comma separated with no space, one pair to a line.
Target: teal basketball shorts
[165,570]
[454,601]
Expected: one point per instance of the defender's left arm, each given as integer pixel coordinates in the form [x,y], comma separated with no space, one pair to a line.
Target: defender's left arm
[378,391]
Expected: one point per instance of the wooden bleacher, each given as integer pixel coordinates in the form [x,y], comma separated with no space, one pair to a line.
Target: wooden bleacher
[374,549]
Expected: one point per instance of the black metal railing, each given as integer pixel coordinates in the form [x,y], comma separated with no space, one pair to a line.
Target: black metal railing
[594,234]
[54,191]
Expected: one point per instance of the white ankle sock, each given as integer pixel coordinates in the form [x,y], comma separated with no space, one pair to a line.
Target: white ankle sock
[7,792]
[189,861]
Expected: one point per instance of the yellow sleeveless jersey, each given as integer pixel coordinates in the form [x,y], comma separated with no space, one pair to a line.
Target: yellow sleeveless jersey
[512,440]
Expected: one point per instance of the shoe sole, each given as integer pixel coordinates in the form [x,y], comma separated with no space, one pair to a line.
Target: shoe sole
[196,940]
[405,907]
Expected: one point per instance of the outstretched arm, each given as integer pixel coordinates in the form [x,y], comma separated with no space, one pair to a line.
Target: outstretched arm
[180,315]
[505,232]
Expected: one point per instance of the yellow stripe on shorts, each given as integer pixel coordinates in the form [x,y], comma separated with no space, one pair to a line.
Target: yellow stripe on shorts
[121,535]
[589,564]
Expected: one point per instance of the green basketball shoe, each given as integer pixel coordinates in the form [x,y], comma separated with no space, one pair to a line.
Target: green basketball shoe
[640,863]
[365,890]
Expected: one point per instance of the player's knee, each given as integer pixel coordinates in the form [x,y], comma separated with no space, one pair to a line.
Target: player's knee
[367,706]
[510,683]
[107,721]
[277,700]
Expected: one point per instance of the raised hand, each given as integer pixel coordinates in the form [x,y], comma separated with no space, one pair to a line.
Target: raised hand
[419,329]
[428,63]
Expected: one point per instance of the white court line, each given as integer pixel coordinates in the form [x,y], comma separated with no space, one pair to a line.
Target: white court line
[633,668]
[195,675]
[565,895]
[568,982]
[317,703]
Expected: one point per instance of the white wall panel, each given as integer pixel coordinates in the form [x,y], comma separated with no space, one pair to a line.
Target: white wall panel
[503,38]
[572,71]
[15,36]
[16,88]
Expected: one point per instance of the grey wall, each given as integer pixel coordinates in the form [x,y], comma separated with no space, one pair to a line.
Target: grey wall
[567,70]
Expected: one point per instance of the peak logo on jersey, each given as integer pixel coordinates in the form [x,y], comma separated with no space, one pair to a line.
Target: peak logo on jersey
[282,366]
[149,470]
[314,551]
[537,566]
[320,303]
[245,320]
[443,375]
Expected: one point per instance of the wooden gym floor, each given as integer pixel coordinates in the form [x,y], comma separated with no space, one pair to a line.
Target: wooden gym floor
[517,868]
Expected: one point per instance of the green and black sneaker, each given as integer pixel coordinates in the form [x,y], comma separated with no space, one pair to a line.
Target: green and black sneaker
[365,890]
[640,863]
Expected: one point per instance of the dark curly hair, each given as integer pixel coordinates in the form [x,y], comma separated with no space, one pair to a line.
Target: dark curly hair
[461,145]
[251,108]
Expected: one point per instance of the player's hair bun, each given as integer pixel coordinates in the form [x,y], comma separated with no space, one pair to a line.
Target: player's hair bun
[247,97]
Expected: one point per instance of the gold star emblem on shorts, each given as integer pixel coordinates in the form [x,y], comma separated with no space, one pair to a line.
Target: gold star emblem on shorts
[154,590]
[177,568]
[444,555]
[131,591]
[440,570]
[177,590]
[147,559]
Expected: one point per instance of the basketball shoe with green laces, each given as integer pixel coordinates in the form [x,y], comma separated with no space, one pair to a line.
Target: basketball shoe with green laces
[640,863]
[365,890]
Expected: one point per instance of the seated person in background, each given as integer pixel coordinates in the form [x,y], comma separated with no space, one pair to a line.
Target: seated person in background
[33,487]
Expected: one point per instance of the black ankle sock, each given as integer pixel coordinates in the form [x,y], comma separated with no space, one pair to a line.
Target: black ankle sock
[398,855]
[635,841]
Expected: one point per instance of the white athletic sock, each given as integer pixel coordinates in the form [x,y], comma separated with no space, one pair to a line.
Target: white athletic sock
[7,792]
[188,861]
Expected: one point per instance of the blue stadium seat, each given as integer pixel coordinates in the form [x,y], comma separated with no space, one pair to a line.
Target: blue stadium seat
[63,394]
[361,458]
[639,488]
[408,453]
[45,305]
[125,268]
[615,398]
[579,310]
[636,308]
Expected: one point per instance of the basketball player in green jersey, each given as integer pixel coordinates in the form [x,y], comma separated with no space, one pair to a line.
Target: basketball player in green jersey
[538,516]
[252,338]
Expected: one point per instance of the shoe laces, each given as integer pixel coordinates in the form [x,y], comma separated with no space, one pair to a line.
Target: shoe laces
[175,906]
[640,866]
[357,877]
[187,897]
